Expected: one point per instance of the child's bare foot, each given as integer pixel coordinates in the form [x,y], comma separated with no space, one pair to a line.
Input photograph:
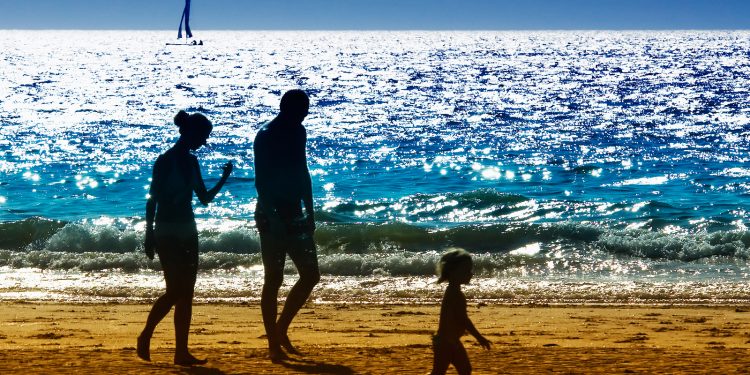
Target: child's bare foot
[188,360]
[287,345]
[143,347]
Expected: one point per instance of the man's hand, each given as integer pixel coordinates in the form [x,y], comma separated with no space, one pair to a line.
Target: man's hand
[310,224]
[149,243]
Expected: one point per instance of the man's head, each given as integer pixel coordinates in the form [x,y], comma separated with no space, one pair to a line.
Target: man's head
[295,104]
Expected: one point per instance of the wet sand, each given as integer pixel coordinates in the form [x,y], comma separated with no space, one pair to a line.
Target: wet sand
[381,339]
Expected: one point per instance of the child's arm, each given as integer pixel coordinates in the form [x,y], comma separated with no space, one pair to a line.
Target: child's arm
[473,330]
[463,315]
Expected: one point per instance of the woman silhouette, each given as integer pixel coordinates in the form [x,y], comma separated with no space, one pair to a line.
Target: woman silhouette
[176,175]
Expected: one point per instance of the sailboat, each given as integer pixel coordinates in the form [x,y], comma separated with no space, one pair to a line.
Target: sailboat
[188,33]
[186,19]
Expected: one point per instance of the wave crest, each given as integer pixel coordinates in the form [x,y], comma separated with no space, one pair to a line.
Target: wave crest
[684,247]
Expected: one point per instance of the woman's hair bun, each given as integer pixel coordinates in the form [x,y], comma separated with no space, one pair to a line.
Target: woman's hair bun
[181,118]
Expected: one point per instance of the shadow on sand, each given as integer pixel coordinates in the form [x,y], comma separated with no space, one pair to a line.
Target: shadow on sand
[313,367]
[187,370]
[200,370]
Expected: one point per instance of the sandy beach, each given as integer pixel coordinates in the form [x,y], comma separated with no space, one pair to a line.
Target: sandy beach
[381,339]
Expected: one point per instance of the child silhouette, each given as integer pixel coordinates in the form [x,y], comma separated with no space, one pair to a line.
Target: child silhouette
[455,267]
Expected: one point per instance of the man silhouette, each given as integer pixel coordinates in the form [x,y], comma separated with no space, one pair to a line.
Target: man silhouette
[284,187]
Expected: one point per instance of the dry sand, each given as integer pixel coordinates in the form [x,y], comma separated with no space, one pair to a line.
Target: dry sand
[380,339]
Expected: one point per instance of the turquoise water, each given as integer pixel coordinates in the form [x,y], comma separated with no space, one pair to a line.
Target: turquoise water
[576,166]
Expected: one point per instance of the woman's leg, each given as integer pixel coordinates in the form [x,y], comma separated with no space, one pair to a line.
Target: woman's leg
[161,307]
[183,311]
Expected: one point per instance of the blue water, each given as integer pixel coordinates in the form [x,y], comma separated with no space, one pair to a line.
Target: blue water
[576,166]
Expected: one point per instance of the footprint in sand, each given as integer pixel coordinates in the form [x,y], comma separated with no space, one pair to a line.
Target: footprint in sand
[700,319]
[716,345]
[638,337]
[49,336]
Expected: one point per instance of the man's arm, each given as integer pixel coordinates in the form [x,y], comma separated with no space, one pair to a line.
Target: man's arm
[263,183]
[307,198]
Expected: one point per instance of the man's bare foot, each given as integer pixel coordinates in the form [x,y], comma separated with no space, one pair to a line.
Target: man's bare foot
[287,345]
[188,360]
[277,355]
[143,347]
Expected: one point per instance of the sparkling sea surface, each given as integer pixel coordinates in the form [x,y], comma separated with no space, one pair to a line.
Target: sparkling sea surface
[577,166]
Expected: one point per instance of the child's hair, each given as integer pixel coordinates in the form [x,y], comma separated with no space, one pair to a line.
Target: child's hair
[450,261]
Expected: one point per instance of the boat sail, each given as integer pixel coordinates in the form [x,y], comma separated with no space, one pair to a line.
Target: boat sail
[186,19]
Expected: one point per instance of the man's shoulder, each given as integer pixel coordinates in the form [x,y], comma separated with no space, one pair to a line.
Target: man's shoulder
[161,159]
[264,130]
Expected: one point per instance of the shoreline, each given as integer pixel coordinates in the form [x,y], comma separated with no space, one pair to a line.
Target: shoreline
[44,337]
[742,305]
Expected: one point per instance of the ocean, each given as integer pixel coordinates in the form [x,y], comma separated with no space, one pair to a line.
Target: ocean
[576,166]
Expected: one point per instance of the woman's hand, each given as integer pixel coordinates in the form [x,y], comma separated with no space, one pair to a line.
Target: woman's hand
[227,170]
[149,243]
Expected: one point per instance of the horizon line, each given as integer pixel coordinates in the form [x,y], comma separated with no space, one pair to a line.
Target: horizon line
[384,30]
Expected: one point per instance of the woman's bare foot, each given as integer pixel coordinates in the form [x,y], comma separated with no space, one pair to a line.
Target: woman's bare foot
[143,348]
[188,360]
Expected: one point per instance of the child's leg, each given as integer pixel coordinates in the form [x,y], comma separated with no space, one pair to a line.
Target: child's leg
[461,360]
[441,360]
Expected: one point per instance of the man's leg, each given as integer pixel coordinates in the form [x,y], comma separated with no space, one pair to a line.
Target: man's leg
[273,265]
[305,258]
